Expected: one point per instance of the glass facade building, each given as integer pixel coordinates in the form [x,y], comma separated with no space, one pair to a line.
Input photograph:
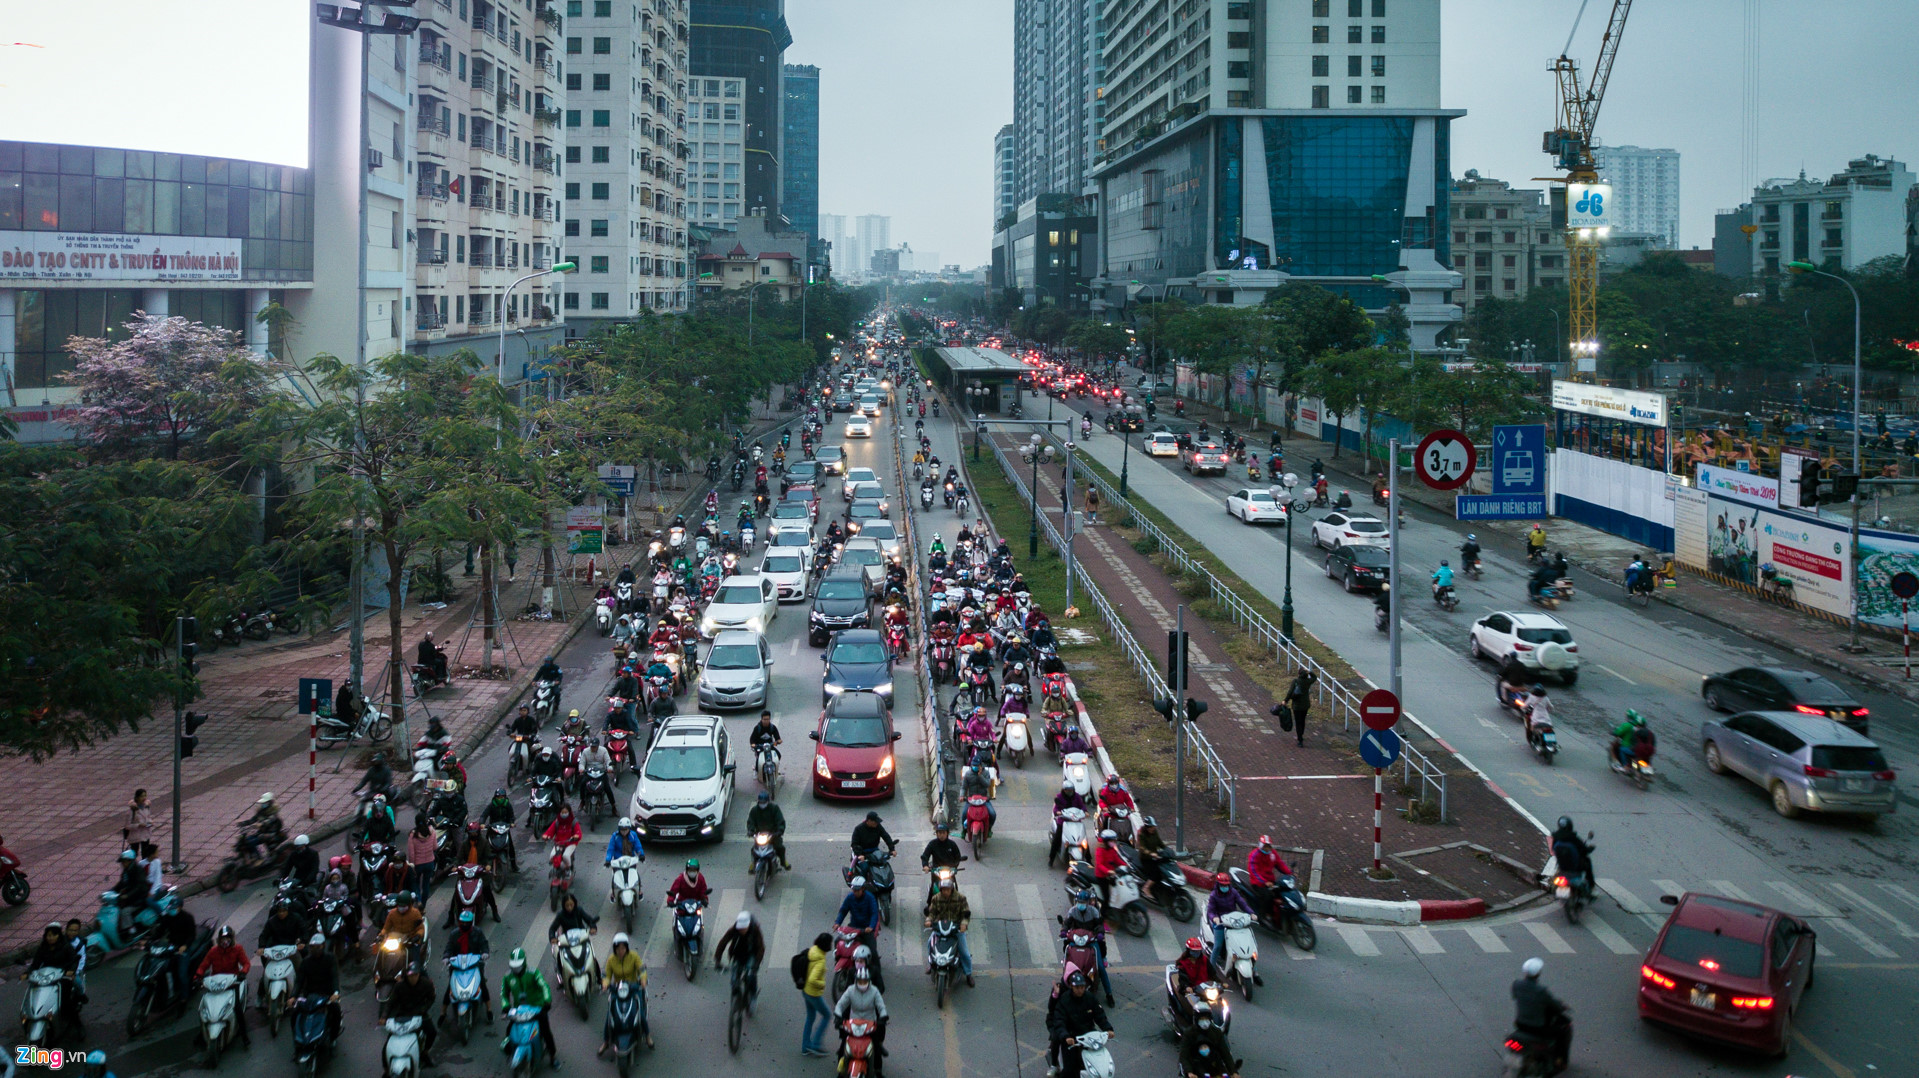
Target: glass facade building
[800,158]
[746,40]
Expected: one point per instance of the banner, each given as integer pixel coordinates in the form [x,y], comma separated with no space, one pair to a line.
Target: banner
[1689,528]
[1739,486]
[101,256]
[1627,404]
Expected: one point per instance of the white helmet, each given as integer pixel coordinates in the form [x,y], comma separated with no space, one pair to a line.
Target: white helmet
[619,938]
[744,920]
[626,822]
[299,840]
[1533,967]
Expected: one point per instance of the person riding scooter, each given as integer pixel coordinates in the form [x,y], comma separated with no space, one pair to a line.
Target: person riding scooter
[1538,1014]
[1632,739]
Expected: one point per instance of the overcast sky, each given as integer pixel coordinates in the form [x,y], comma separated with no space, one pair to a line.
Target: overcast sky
[912,92]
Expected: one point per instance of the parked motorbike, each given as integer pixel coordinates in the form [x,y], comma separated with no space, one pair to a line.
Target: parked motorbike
[371,723]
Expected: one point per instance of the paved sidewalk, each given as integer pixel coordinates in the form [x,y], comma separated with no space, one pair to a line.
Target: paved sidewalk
[1313,798]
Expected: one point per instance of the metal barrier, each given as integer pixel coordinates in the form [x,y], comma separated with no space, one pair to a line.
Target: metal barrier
[1218,777]
[932,731]
[1430,776]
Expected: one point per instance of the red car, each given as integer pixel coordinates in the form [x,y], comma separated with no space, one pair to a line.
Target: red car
[1729,970]
[854,760]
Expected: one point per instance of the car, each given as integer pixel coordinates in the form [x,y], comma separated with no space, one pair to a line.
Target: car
[857,660]
[1541,642]
[871,492]
[744,601]
[841,600]
[792,541]
[1778,688]
[1335,530]
[1255,506]
[854,477]
[886,533]
[1729,970]
[1803,762]
[860,512]
[736,670]
[1162,443]
[843,402]
[786,567]
[1207,458]
[1360,568]
[870,405]
[803,471]
[803,494]
[854,756]
[686,781]
[859,427]
[832,459]
[790,516]
[866,554]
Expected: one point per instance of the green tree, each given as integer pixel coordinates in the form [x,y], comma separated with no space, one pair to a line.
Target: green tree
[1471,400]
[1361,380]
[1098,341]
[1322,321]
[1218,339]
[1153,324]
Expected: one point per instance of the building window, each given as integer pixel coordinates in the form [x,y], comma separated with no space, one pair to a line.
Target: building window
[600,300]
[1322,35]
[1379,9]
[602,155]
[1239,69]
[571,301]
[1499,214]
[1239,10]
[1239,39]
[459,249]
[1511,284]
[1509,261]
[601,192]
[1379,67]
[572,46]
[572,155]
[602,46]
[1321,97]
[572,191]
[1550,282]
[599,264]
[1352,95]
[572,227]
[1482,284]
[572,117]
[1459,237]
[1355,34]
[602,82]
[1352,67]
[1379,95]
[1832,238]
[1511,237]
[1483,260]
[602,118]
[1322,8]
[1480,237]
[573,8]
[1355,8]
[602,9]
[597,226]
[1545,237]
[1379,35]
[1322,66]
[573,83]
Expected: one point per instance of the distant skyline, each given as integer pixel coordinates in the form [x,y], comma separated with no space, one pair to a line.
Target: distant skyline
[911,98]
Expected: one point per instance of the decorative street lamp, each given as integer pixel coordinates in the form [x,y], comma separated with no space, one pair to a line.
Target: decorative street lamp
[1287,481]
[1125,453]
[976,403]
[1036,454]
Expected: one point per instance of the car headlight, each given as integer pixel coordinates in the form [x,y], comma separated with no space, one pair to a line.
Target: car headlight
[832,689]
[814,615]
[884,688]
[645,806]
[886,769]
[704,805]
[820,768]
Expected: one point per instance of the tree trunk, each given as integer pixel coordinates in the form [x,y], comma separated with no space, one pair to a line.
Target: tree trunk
[488,614]
[396,646]
[1369,441]
[1339,432]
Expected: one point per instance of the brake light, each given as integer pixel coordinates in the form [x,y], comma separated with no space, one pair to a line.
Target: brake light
[1884,776]
[1650,974]
[1808,709]
[1513,1045]
[1820,772]
[1522,647]
[1709,964]
[1860,712]
[1572,647]
[1752,1003]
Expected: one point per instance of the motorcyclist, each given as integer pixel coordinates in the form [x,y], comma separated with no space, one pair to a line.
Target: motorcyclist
[226,956]
[940,852]
[432,657]
[181,931]
[319,975]
[133,888]
[378,779]
[1264,865]
[548,765]
[1067,797]
[1442,577]
[869,834]
[1073,741]
[1542,578]
[1538,707]
[1383,602]
[571,915]
[262,831]
[468,939]
[303,864]
[1536,541]
[549,671]
[1469,551]
[689,884]
[1069,1014]
[1107,863]
[949,905]
[1539,1014]
[859,910]
[1637,575]
[765,817]
[413,997]
[595,756]
[624,842]
[564,833]
[1191,969]
[1629,737]
[765,732]
[978,780]
[1226,899]
[623,964]
[1203,1051]
[54,953]
[283,928]
[1115,801]
[1572,854]
[525,986]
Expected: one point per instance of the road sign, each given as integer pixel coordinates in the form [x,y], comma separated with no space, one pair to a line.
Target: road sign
[1379,748]
[1444,460]
[1500,507]
[582,518]
[585,543]
[1905,585]
[1519,459]
[619,478]
[1379,709]
[315,693]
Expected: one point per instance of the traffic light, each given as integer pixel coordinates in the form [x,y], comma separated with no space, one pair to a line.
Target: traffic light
[1176,661]
[1164,705]
[1808,483]
[1844,485]
[1194,709]
[189,723]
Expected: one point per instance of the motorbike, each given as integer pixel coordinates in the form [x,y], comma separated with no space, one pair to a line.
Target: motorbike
[689,926]
[1281,909]
[40,1019]
[390,959]
[470,892]
[1471,567]
[942,656]
[1015,738]
[246,864]
[519,756]
[856,1051]
[402,1049]
[676,538]
[574,956]
[619,746]
[942,956]
[156,991]
[219,999]
[766,765]
[1547,597]
[1165,887]
[877,866]
[1446,597]
[1542,740]
[115,932]
[626,887]
[1242,954]
[1638,767]
[1071,823]
[525,1051]
[766,862]
[1181,1005]
[596,795]
[626,597]
[896,645]
[335,923]
[623,1018]
[559,878]
[1573,892]
[463,988]
[14,886]
[979,824]
[1123,904]
[1076,769]
[312,1047]
[1382,616]
[276,983]
[603,616]
[427,677]
[1529,1055]
[372,724]
[542,801]
[1094,1059]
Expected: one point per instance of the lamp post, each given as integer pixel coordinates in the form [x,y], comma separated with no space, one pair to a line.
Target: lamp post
[975,402]
[1287,481]
[1036,454]
[1852,644]
[499,369]
[1125,453]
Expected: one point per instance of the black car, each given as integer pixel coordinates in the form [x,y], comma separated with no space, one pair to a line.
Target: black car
[1779,688]
[857,661]
[1359,568]
[839,602]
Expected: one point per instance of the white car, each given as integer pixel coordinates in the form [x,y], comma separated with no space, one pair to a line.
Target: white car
[859,427]
[1161,443]
[870,405]
[1540,642]
[745,601]
[686,781]
[886,533]
[1335,530]
[1256,506]
[736,670]
[786,567]
[856,475]
[870,556]
[790,516]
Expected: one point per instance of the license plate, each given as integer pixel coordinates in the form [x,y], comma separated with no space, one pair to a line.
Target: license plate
[853,784]
[1703,999]
[1855,784]
[672,832]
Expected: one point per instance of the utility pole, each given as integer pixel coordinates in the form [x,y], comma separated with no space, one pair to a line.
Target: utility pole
[1179,729]
[1395,593]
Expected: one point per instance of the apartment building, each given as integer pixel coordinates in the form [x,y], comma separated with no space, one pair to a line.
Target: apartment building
[1058,70]
[1005,176]
[624,160]
[1645,190]
[1852,218]
[1504,244]
[739,46]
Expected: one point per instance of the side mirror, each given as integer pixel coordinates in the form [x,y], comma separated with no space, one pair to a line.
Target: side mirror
[730,768]
[814,734]
[896,735]
[1670,900]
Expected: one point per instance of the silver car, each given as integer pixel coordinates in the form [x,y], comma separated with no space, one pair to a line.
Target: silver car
[736,670]
[1804,762]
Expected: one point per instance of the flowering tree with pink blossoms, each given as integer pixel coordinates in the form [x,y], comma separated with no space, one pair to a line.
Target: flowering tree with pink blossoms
[171,388]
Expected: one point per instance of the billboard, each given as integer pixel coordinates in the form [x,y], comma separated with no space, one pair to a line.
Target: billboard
[1588,205]
[1630,405]
[219,78]
[95,256]
[1739,486]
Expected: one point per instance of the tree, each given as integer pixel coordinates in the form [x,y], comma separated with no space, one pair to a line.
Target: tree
[172,384]
[1216,338]
[1470,400]
[1322,322]
[1153,324]
[1345,382]
[1098,340]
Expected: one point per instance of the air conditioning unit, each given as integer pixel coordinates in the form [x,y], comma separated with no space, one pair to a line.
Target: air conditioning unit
[374,159]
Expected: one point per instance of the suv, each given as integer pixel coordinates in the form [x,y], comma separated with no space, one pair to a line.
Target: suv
[839,602]
[856,660]
[686,781]
[1540,642]
[1206,459]
[1804,762]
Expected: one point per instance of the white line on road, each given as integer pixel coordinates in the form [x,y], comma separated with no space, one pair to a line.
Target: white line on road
[1487,939]
[1032,918]
[786,925]
[1669,887]
[1730,890]
[720,915]
[1166,946]
[242,918]
[795,649]
[1360,940]
[1422,940]
[1807,904]
[906,934]
[1862,902]
[1604,932]
[1616,673]
[659,942]
[1866,943]
[1900,892]
[1549,937]
[1626,899]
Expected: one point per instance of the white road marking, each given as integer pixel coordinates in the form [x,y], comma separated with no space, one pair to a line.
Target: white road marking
[1422,940]
[1669,887]
[1905,930]
[1730,890]
[659,942]
[1549,937]
[1487,939]
[906,933]
[1900,892]
[1033,918]
[1166,946]
[1360,940]
[786,925]
[978,941]
[720,915]
[1604,932]
[1626,899]
[1616,673]
[795,649]
[1806,904]
[1866,943]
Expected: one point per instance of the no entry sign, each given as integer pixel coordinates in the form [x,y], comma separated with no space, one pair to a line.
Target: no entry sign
[1379,709]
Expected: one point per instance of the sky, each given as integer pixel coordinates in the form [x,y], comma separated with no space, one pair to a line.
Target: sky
[912,92]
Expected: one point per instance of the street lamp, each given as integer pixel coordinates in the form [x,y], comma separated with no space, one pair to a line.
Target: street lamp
[499,370]
[1287,480]
[1807,267]
[1036,454]
[1125,453]
[975,403]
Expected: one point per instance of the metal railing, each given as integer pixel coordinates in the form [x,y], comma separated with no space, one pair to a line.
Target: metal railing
[1431,776]
[432,190]
[1219,777]
[931,729]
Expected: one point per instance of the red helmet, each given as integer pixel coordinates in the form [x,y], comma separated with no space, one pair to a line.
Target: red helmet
[1265,840]
[1195,945]
[1222,880]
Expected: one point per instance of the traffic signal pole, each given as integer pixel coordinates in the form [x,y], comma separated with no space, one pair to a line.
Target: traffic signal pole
[177,866]
[1396,592]
[1179,734]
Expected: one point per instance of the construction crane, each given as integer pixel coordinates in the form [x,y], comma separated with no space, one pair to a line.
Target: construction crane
[1570,144]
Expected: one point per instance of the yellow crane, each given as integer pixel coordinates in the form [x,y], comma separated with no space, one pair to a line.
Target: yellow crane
[1570,145]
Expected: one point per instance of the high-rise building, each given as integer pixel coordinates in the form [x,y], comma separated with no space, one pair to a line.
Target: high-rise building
[737,50]
[1645,189]
[1504,244]
[1005,175]
[1248,144]
[838,249]
[1058,69]
[626,179]
[1852,218]
[871,232]
[716,148]
[800,160]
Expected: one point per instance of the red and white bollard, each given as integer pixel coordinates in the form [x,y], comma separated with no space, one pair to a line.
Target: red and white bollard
[1378,804]
[313,763]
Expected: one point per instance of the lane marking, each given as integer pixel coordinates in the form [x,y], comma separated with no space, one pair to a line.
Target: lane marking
[1866,943]
[1360,940]
[1604,932]
[795,648]
[906,934]
[1905,930]
[1812,906]
[1549,937]
[1487,939]
[1626,899]
[1900,892]
[1166,946]
[1669,887]
[1730,890]
[1422,940]
[786,924]
[719,916]
[659,942]
[1616,673]
[1837,1068]
[1032,917]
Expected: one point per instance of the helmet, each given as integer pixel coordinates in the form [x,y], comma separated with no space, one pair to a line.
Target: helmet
[1203,1017]
[545,751]
[1108,835]
[1471,538]
[1195,945]
[941,828]
[1533,967]
[744,920]
[593,742]
[466,917]
[858,882]
[1112,780]
[692,864]
[1539,688]
[626,823]
[378,799]
[1223,880]
[1564,823]
[1265,840]
[129,855]
[1148,821]
[621,937]
[404,899]
[979,712]
[265,798]
[499,794]
[1634,717]
[1443,563]
[1076,980]
[517,961]
[573,714]
[317,941]
[764,797]
[1066,784]
[226,933]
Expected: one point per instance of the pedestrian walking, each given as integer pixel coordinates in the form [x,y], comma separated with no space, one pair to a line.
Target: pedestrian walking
[812,986]
[1291,711]
[138,827]
[1092,503]
[422,852]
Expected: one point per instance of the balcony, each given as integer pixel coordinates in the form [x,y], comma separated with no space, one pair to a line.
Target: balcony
[550,17]
[543,163]
[482,143]
[428,323]
[431,191]
[547,117]
[484,82]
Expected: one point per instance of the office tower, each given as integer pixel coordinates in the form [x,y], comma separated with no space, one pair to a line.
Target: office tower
[1005,175]
[1058,70]
[737,46]
[1645,190]
[800,159]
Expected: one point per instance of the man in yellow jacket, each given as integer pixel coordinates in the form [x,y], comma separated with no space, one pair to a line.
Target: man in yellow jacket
[625,964]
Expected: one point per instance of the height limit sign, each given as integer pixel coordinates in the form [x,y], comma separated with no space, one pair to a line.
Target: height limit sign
[1444,460]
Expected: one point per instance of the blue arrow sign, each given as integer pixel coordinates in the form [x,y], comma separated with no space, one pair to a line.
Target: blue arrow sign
[1519,459]
[1379,748]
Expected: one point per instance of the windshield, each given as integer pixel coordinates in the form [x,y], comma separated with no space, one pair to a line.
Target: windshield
[681,763]
[1260,497]
[1366,527]
[879,529]
[828,452]
[739,596]
[791,511]
[805,467]
[734,657]
[1370,558]
[785,563]
[842,589]
[855,731]
[792,537]
[860,653]
[1546,636]
[1848,757]
[861,475]
[864,509]
[1697,947]
[861,557]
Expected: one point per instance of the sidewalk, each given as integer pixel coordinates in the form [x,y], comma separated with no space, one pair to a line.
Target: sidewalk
[1315,799]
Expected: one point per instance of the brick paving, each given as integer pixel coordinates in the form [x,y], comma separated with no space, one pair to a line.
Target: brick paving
[1310,798]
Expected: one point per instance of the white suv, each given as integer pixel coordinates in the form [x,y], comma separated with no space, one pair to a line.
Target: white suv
[1540,642]
[686,782]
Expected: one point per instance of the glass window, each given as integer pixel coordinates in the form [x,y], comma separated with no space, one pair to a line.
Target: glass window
[602,9]
[1379,67]
[599,263]
[597,226]
[602,82]
[1379,95]
[602,118]
[602,46]
[1379,35]
[572,155]
[573,8]
[573,82]
[1353,66]
[1355,8]
[600,301]
[1320,97]
[572,191]
[602,155]
[572,117]
[1322,35]
[601,192]
[1379,9]
[1355,34]
[1352,95]
[1322,8]
[572,46]
[571,301]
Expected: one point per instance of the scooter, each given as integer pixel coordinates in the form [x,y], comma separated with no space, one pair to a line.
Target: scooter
[155,991]
[312,1047]
[40,1020]
[1638,768]
[1094,1060]
[1123,905]
[1242,954]
[623,1018]
[116,933]
[766,862]
[979,823]
[1381,616]
[1281,908]
[1528,1055]
[626,888]
[470,892]
[574,955]
[1446,597]
[1015,738]
[402,1049]
[856,1051]
[1541,739]
[541,802]
[463,988]
[625,597]
[1072,837]
[14,887]
[942,957]
[689,926]
[559,878]
[603,616]
[276,983]
[333,922]
[524,1049]
[1074,768]
[1166,889]
[219,999]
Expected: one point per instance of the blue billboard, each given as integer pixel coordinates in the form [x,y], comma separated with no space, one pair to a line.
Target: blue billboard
[1518,462]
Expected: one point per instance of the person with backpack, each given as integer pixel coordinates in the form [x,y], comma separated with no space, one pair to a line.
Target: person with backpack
[809,976]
